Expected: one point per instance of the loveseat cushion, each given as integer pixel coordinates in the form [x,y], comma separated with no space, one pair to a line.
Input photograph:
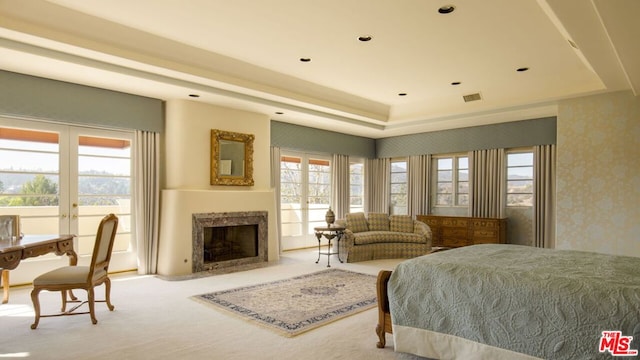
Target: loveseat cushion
[356,222]
[378,222]
[401,223]
[375,237]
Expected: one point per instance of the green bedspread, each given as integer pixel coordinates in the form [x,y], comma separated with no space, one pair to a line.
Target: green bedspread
[551,304]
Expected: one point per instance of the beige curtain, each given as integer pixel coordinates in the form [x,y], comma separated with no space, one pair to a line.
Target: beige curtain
[418,169]
[147,199]
[340,185]
[488,182]
[275,185]
[544,191]
[377,185]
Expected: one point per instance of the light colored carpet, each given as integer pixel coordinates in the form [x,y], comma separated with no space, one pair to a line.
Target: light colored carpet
[299,304]
[156,319]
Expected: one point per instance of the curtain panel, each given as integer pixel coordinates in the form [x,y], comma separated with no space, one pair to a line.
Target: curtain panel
[544,189]
[377,185]
[340,185]
[275,185]
[488,184]
[418,184]
[147,199]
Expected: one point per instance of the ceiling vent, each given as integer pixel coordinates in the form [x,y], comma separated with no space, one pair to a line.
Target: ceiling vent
[472,97]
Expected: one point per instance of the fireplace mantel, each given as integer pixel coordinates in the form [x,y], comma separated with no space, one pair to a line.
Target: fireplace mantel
[175,254]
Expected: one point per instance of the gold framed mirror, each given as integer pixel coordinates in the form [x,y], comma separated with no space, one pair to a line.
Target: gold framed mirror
[231,158]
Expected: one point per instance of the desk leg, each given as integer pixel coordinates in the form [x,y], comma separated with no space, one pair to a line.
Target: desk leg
[5,286]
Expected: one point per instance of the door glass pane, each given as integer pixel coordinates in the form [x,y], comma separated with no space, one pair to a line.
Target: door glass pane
[319,192]
[29,178]
[104,187]
[291,195]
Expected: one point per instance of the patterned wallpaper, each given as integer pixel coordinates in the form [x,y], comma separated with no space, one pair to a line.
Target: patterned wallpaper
[598,174]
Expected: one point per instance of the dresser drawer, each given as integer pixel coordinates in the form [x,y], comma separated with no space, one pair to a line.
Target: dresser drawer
[454,232]
[487,224]
[452,222]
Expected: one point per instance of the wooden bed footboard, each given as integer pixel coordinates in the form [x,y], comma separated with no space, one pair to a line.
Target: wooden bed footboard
[384,315]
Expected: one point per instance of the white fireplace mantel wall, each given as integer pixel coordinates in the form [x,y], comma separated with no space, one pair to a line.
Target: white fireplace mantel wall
[185,181]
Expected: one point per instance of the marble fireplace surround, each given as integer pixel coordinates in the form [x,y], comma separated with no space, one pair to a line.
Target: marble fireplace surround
[200,221]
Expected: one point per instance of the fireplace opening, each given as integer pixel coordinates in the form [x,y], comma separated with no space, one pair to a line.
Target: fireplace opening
[230,242]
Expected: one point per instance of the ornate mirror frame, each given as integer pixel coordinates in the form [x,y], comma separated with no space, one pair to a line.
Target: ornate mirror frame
[231,167]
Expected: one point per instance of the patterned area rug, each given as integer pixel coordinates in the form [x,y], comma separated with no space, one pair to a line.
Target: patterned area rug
[293,306]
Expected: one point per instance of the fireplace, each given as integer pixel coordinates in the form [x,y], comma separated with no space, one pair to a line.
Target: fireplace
[229,239]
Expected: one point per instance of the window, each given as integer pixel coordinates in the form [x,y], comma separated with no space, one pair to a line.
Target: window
[356,186]
[399,204]
[520,179]
[452,181]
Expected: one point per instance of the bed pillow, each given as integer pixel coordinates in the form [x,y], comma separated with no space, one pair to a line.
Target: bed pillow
[356,222]
[378,222]
[401,223]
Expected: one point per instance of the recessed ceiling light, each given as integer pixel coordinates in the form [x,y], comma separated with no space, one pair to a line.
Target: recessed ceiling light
[194,95]
[402,94]
[522,69]
[365,38]
[446,9]
[305,59]
[456,83]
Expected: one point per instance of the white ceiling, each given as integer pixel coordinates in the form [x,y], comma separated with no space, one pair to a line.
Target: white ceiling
[246,54]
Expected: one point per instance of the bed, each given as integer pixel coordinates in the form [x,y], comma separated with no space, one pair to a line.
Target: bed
[499,301]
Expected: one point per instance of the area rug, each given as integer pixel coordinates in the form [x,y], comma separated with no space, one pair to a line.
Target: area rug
[296,305]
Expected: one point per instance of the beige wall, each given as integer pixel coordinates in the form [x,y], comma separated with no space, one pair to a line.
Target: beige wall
[187,140]
[598,174]
[186,144]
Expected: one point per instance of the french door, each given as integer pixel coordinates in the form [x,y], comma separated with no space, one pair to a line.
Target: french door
[305,197]
[64,179]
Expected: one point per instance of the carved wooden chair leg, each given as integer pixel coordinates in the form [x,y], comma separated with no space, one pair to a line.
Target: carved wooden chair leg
[63,293]
[92,305]
[107,294]
[36,307]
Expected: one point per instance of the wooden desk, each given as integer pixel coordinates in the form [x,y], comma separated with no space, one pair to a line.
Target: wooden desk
[12,252]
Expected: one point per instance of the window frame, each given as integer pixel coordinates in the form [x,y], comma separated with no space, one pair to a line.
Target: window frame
[455,180]
[394,195]
[507,180]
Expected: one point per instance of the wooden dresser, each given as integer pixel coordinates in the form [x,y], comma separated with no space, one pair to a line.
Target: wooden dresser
[456,231]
